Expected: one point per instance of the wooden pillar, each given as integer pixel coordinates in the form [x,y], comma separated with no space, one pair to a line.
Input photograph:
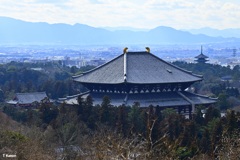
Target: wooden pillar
[190,112]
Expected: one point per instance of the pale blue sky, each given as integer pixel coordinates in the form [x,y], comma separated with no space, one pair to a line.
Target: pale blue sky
[180,14]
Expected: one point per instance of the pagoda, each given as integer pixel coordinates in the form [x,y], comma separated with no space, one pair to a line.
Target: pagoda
[142,77]
[201,58]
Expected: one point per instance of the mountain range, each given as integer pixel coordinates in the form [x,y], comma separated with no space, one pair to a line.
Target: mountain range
[13,31]
[226,33]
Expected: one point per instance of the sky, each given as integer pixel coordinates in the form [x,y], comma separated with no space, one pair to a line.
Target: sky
[148,14]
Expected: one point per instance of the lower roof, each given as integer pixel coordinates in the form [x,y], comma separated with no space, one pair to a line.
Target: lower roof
[162,99]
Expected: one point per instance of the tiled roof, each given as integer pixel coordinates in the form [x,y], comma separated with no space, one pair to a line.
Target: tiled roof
[199,99]
[137,68]
[162,99]
[72,99]
[201,56]
[27,98]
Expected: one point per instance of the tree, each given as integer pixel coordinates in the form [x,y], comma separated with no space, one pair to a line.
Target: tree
[60,89]
[122,116]
[87,107]
[222,102]
[80,105]
[88,116]
[105,107]
[216,132]
[168,112]
[2,97]
[198,117]
[74,69]
[135,119]
[211,113]
[48,113]
[205,141]
[231,121]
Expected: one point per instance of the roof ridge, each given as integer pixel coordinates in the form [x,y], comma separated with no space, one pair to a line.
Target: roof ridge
[125,67]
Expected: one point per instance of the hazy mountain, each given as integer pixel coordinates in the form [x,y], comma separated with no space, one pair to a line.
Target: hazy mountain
[18,32]
[125,28]
[216,32]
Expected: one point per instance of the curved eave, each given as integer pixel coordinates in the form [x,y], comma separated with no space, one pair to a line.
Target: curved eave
[197,60]
[205,99]
[127,82]
[76,76]
[73,96]
[203,96]
[169,82]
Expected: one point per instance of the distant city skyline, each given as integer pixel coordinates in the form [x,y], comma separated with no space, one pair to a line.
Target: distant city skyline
[147,14]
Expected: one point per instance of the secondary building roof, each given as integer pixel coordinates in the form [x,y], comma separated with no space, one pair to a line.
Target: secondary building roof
[28,98]
[137,68]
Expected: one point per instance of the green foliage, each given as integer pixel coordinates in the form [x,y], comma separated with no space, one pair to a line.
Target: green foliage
[86,68]
[48,113]
[216,132]
[15,136]
[198,117]
[168,112]
[211,125]
[63,75]
[183,153]
[212,113]
[16,114]
[217,89]
[158,135]
[11,138]
[53,78]
[2,97]
[122,116]
[88,116]
[105,107]
[172,126]
[74,69]
[11,69]
[60,88]
[135,118]
[222,102]
[205,141]
[231,121]
[67,134]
